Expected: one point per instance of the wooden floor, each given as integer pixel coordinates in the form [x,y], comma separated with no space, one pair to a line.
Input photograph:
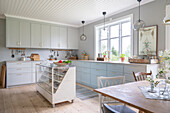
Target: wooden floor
[25,99]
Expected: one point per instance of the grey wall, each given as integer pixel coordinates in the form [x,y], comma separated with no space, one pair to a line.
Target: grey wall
[152,13]
[5,53]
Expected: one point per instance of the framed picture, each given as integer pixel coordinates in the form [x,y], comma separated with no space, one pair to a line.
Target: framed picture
[147,41]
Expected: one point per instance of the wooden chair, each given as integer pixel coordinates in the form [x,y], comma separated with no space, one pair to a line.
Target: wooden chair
[106,104]
[141,75]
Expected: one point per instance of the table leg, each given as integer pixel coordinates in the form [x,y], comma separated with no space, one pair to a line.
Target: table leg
[100,102]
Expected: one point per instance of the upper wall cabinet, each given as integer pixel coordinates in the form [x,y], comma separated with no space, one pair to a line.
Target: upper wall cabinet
[31,34]
[17,33]
[46,34]
[63,38]
[55,37]
[25,39]
[36,40]
[12,35]
[72,38]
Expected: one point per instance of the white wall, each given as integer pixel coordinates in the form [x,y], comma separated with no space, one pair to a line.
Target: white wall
[152,13]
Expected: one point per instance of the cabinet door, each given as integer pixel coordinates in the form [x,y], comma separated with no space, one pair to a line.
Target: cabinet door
[46,34]
[12,33]
[63,38]
[55,37]
[72,38]
[25,37]
[36,36]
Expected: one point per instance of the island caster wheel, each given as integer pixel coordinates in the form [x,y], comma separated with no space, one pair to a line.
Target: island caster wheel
[72,101]
[53,105]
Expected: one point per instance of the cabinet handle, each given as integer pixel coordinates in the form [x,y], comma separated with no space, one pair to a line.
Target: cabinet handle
[19,74]
[19,68]
[19,63]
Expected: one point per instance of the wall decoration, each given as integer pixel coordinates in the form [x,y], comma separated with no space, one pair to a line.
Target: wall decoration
[148,40]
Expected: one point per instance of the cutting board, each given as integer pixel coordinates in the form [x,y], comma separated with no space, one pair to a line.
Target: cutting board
[3,75]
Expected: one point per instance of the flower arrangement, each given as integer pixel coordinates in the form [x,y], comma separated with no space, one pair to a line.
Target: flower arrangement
[104,53]
[84,53]
[164,64]
[152,81]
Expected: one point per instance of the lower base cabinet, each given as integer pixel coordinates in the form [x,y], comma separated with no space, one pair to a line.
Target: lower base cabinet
[88,72]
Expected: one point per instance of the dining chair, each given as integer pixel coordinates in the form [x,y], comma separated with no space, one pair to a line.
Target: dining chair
[141,75]
[108,105]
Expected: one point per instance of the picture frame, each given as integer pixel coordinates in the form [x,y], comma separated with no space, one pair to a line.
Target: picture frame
[148,41]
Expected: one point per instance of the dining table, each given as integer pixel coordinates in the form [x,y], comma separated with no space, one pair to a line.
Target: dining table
[131,95]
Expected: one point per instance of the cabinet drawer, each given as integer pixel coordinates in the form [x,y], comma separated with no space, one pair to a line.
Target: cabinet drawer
[86,70]
[86,64]
[129,77]
[113,74]
[19,70]
[115,67]
[98,66]
[98,72]
[19,78]
[79,64]
[18,64]
[134,68]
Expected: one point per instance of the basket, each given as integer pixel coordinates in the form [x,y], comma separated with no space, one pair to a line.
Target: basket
[60,64]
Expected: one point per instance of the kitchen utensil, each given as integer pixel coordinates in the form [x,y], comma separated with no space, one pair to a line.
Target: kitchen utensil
[12,54]
[23,58]
[57,53]
[35,57]
[3,75]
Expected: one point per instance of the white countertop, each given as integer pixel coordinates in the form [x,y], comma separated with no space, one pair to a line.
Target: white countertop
[113,62]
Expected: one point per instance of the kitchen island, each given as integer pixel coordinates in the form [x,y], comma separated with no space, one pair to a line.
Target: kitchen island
[56,83]
[88,70]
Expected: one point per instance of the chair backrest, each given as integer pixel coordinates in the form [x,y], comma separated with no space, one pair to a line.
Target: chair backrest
[141,75]
[110,81]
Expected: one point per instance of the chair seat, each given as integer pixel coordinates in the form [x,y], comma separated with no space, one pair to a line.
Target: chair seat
[117,109]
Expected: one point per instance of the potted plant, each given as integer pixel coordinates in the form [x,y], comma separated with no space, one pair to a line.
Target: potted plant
[122,56]
[104,54]
[84,56]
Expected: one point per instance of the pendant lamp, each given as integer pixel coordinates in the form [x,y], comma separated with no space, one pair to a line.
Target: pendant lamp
[167,17]
[139,23]
[83,37]
[104,14]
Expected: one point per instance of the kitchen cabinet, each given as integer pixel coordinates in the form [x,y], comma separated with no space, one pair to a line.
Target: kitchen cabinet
[89,71]
[22,33]
[63,38]
[36,40]
[72,38]
[19,73]
[12,33]
[46,34]
[25,38]
[55,37]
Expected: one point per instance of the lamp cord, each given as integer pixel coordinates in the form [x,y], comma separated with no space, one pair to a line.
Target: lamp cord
[139,11]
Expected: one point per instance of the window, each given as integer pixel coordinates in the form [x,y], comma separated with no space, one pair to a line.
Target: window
[116,38]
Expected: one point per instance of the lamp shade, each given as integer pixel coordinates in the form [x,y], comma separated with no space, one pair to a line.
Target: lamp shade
[167,20]
[139,24]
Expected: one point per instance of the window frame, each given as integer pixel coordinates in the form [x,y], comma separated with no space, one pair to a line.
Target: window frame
[119,22]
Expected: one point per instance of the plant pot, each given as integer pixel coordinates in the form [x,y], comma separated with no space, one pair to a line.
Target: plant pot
[122,59]
[86,57]
[104,55]
[82,57]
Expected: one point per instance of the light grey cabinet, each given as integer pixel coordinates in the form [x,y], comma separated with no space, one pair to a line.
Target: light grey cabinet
[63,38]
[36,40]
[88,72]
[12,33]
[25,34]
[55,37]
[46,36]
[72,38]
[22,33]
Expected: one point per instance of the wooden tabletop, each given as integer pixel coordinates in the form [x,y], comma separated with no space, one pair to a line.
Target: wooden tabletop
[131,95]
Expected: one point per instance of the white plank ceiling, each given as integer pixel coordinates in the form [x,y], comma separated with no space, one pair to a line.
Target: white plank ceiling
[70,12]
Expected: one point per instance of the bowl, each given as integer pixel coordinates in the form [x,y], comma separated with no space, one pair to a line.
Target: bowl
[60,64]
